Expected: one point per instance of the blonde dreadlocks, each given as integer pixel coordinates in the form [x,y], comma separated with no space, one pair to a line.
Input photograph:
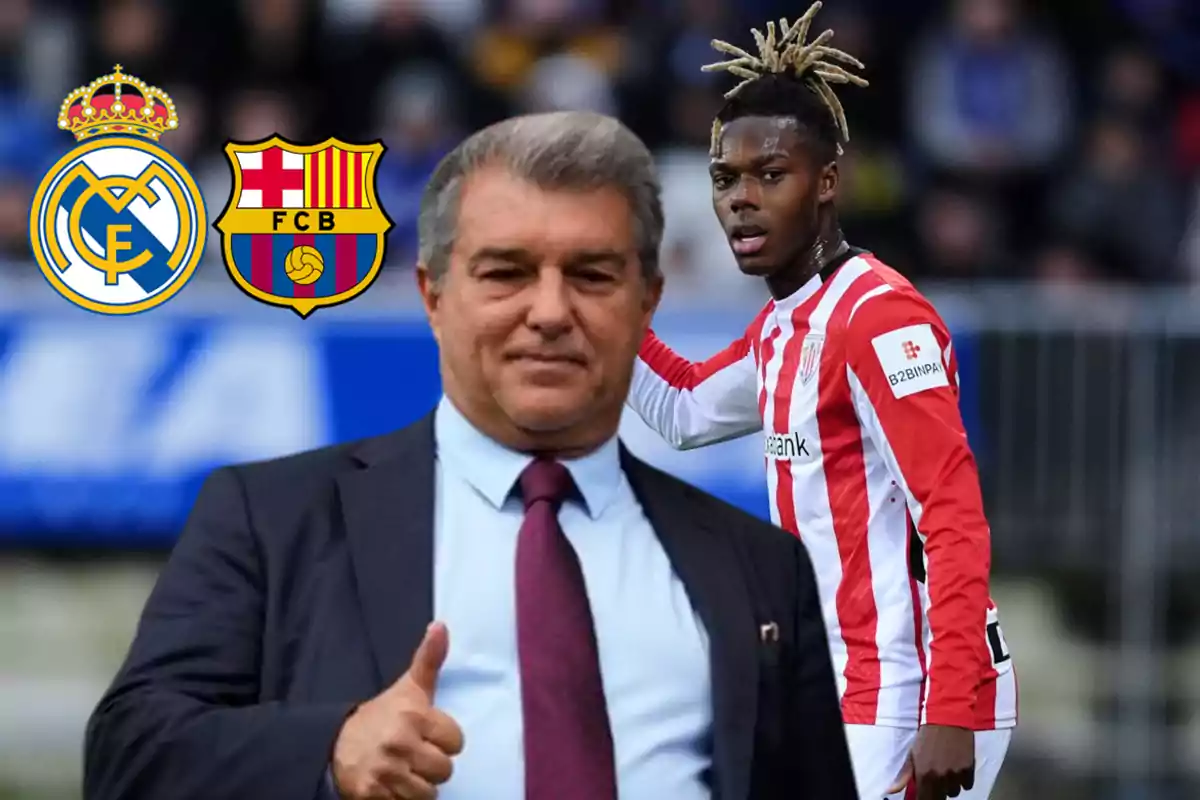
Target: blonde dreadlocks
[787,54]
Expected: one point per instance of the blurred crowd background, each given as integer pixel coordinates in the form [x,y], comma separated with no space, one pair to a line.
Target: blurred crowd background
[999,138]
[1034,165]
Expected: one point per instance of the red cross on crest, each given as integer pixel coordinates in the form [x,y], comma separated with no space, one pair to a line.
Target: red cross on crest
[271,177]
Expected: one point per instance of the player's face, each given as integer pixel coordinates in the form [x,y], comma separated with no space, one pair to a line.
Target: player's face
[541,312]
[767,190]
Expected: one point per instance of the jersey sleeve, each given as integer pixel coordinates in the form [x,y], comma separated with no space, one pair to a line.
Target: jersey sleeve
[693,404]
[904,382]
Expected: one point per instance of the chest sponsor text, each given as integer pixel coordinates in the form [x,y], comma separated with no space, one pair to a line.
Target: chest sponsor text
[787,446]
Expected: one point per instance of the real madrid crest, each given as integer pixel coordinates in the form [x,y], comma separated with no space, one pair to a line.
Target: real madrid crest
[117,225]
[303,227]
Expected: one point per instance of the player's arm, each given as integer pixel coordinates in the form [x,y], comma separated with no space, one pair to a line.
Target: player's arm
[904,381]
[693,404]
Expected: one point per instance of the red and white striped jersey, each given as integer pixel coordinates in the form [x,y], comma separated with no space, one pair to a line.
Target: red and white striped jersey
[854,384]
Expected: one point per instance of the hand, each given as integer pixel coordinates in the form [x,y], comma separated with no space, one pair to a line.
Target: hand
[942,762]
[397,746]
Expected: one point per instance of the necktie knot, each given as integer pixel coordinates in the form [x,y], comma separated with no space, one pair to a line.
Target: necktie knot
[545,480]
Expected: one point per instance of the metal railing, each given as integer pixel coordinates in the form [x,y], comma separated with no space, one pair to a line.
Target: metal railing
[1089,410]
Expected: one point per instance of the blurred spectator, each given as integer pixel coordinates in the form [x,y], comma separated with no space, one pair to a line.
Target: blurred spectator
[874,178]
[872,194]
[1064,265]
[187,142]
[398,35]
[15,194]
[688,37]
[420,124]
[1132,87]
[876,112]
[526,30]
[132,33]
[30,140]
[661,75]
[566,83]
[257,112]
[1119,203]
[38,54]
[276,41]
[960,236]
[1173,26]
[989,96]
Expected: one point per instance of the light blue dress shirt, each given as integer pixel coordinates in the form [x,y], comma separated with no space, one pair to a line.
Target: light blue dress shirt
[653,649]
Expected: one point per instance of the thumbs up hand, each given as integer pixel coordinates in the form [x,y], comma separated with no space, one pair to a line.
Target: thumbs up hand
[398,745]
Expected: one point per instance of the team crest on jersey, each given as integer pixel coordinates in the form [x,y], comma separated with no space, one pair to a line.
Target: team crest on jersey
[810,357]
[303,227]
[117,226]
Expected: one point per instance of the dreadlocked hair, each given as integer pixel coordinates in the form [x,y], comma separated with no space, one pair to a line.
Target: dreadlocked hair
[789,77]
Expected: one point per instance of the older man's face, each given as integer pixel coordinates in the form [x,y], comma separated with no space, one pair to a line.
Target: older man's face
[541,313]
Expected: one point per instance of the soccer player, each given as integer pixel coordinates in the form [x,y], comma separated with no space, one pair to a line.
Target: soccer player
[850,373]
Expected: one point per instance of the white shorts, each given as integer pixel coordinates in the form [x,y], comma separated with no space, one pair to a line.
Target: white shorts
[878,754]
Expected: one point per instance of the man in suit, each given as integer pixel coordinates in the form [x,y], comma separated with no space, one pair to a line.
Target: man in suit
[497,602]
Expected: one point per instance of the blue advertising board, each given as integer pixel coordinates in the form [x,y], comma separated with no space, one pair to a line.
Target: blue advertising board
[109,425]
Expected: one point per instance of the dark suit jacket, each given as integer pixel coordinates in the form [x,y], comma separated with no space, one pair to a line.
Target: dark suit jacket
[301,586]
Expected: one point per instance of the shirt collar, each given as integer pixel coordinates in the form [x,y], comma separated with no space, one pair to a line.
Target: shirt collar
[790,303]
[797,298]
[493,469]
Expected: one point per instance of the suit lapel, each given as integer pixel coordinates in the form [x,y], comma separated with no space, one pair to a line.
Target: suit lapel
[388,508]
[708,565]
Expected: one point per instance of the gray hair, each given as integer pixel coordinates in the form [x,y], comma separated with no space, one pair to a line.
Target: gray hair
[573,150]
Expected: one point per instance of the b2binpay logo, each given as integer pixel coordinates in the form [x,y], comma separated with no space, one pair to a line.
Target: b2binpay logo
[911,359]
[912,373]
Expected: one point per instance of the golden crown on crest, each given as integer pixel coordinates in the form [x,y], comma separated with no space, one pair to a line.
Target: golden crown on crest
[118,103]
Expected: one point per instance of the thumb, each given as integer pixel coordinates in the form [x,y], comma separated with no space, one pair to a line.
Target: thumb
[906,775]
[428,660]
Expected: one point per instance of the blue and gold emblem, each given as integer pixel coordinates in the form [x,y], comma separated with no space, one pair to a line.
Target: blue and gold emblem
[118,225]
[304,228]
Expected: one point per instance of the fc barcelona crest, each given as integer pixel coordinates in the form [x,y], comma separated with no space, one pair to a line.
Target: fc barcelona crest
[303,228]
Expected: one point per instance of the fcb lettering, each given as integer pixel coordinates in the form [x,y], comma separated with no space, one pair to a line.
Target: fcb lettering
[300,222]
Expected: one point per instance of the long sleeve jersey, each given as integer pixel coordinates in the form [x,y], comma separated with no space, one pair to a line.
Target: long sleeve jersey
[853,382]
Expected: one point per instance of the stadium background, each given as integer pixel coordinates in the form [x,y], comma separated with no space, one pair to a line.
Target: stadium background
[1034,167]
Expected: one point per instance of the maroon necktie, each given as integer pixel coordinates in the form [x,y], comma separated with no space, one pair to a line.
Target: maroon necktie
[568,743]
